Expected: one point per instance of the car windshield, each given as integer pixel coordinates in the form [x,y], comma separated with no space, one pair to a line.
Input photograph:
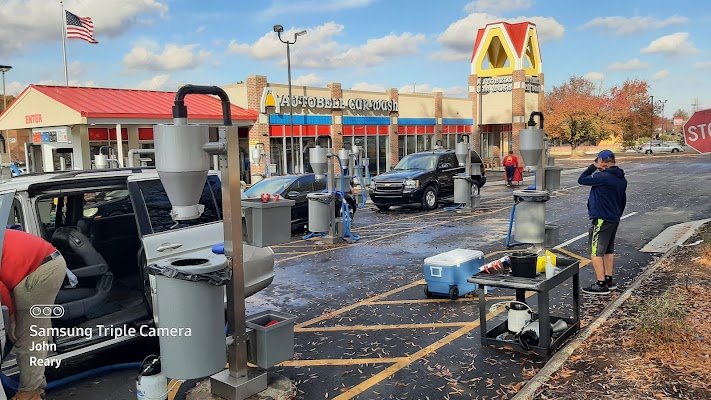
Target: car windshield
[274,185]
[417,161]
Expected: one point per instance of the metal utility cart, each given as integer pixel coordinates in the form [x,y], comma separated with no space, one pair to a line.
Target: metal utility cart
[569,269]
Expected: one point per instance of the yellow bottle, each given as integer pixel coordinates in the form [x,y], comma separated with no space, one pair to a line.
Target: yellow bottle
[541,262]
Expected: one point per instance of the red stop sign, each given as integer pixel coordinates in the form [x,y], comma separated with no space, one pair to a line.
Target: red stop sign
[697,131]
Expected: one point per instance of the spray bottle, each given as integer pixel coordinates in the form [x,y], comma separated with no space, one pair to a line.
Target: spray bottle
[151,384]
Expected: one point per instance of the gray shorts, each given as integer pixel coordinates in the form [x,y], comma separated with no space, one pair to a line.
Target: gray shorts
[601,237]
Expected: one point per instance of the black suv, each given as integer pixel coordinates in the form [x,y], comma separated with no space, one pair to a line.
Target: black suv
[422,178]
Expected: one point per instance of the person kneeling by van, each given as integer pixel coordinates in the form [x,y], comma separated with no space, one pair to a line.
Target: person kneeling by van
[31,273]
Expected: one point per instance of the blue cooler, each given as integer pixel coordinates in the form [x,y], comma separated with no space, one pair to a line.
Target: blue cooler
[446,274]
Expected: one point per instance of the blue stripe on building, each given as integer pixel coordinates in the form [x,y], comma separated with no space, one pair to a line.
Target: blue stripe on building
[366,120]
[457,121]
[283,119]
[417,121]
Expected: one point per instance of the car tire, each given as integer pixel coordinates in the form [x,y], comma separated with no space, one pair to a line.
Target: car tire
[454,293]
[648,152]
[383,207]
[429,198]
[675,150]
[476,190]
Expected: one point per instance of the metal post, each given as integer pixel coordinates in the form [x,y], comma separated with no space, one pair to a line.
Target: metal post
[331,237]
[651,125]
[291,105]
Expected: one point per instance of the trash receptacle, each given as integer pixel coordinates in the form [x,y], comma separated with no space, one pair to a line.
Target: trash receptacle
[191,310]
[319,211]
[267,223]
[553,178]
[273,334]
[462,189]
[552,233]
[530,216]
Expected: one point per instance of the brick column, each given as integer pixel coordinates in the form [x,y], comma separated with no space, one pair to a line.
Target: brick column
[438,116]
[259,132]
[392,134]
[474,97]
[336,125]
[518,108]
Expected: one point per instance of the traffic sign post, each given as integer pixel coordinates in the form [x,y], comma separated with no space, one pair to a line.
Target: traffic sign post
[697,131]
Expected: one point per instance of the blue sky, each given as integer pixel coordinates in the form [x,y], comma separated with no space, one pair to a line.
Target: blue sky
[364,44]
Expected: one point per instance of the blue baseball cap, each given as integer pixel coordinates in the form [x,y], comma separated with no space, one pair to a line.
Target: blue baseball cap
[606,154]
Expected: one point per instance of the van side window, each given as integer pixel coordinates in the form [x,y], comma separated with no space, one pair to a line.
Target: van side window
[48,210]
[159,207]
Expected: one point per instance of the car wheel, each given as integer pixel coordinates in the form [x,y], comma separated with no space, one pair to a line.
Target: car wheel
[453,293]
[648,152]
[475,189]
[675,150]
[383,207]
[429,198]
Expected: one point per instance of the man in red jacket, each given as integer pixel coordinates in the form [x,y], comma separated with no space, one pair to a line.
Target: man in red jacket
[511,163]
[31,273]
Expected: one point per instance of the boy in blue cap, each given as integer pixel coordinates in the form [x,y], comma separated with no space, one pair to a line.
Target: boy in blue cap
[606,204]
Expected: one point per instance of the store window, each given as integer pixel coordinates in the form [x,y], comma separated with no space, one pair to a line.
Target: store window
[414,139]
[374,141]
[289,154]
[452,134]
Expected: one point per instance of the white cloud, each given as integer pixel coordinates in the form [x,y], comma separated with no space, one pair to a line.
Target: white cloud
[660,75]
[674,44]
[319,49]
[14,88]
[76,68]
[624,26]
[158,82]
[72,82]
[368,87]
[148,56]
[285,7]
[631,65]
[308,80]
[703,65]
[200,29]
[501,6]
[33,21]
[594,76]
[459,37]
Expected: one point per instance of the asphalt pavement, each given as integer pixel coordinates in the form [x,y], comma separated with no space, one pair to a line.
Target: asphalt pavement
[366,330]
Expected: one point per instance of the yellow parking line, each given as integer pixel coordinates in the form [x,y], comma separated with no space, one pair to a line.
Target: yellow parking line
[173,387]
[340,361]
[333,313]
[341,328]
[460,300]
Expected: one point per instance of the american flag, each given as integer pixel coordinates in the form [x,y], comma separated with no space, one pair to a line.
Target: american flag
[80,28]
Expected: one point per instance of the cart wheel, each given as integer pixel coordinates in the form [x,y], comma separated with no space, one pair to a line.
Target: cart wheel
[428,294]
[453,293]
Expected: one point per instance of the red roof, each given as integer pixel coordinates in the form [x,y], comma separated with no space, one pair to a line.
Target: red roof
[517,32]
[126,103]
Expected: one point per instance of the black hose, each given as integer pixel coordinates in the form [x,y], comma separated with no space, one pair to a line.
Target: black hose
[181,111]
[531,122]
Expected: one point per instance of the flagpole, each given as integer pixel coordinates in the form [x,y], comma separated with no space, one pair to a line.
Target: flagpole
[64,43]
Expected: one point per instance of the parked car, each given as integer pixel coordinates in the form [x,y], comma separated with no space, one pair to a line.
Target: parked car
[297,187]
[423,178]
[110,226]
[660,147]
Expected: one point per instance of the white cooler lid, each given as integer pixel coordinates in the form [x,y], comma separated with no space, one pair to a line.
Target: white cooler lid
[454,257]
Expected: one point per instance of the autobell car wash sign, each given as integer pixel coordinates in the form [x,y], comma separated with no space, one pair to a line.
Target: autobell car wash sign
[271,99]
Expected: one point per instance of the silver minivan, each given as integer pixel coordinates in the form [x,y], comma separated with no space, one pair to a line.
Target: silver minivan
[110,225]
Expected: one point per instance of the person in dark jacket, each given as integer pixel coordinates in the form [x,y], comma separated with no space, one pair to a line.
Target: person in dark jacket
[606,203]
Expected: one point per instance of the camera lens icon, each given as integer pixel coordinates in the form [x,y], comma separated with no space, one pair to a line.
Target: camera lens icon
[47,311]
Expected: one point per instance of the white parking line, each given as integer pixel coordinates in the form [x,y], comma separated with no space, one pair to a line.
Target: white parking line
[575,239]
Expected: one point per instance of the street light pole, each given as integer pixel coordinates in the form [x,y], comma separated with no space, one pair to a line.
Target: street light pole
[279,29]
[3,69]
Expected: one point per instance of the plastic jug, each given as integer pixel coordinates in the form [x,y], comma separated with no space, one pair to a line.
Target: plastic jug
[541,262]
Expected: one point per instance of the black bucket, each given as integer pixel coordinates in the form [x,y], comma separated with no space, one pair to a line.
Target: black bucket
[523,264]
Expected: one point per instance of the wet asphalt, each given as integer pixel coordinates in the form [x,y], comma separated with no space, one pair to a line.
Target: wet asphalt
[365,329]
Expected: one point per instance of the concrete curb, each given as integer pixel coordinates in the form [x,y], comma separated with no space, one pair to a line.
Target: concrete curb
[529,391]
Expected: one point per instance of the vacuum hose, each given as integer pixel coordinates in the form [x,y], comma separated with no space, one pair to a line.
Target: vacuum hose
[345,209]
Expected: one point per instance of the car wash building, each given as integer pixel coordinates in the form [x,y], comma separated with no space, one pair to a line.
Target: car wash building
[505,85]
[63,128]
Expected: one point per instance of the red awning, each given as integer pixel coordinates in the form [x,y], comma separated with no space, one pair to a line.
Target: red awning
[126,103]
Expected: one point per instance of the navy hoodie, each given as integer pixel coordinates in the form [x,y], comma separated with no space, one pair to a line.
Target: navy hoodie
[608,196]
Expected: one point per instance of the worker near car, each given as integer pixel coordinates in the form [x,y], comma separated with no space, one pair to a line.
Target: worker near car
[510,163]
[31,273]
[606,203]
